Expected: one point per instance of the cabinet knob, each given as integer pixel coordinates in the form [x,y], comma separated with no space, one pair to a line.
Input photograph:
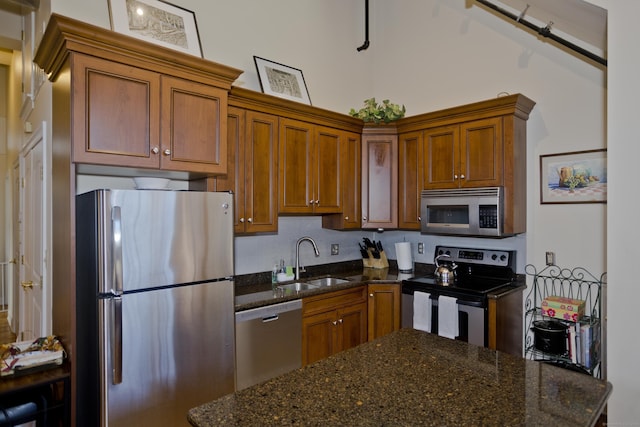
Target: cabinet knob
[419,218]
[455,176]
[241,220]
[166,152]
[461,176]
[339,320]
[371,295]
[364,218]
[335,322]
[155,150]
[250,220]
[346,218]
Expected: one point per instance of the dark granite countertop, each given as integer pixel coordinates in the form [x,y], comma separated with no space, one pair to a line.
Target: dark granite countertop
[260,294]
[253,291]
[410,378]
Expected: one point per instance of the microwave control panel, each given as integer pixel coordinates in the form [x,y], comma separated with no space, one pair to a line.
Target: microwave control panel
[488,216]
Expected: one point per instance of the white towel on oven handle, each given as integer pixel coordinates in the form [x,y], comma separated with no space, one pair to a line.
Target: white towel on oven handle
[448,317]
[422,311]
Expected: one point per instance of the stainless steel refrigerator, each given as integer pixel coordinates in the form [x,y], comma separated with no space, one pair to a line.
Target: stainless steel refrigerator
[154,305]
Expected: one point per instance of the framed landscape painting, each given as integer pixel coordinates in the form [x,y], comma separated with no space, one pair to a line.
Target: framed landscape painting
[282,81]
[158,22]
[575,177]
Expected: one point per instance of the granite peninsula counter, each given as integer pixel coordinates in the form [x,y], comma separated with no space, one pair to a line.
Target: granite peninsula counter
[412,378]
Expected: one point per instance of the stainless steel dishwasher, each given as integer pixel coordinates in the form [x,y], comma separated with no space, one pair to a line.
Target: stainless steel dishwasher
[268,342]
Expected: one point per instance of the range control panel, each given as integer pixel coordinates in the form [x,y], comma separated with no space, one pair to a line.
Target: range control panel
[493,257]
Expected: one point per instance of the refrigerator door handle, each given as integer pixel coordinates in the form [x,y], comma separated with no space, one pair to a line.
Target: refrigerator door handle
[116,242]
[116,339]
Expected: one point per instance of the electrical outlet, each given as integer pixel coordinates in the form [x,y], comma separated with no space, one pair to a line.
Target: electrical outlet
[335,249]
[551,258]
[420,248]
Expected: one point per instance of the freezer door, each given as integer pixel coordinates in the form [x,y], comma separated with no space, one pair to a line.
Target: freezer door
[177,353]
[167,237]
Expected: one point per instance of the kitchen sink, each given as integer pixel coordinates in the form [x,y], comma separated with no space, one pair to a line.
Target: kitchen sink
[298,287]
[328,281]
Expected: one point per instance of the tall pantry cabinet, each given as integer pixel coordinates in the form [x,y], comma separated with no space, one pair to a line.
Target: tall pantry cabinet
[122,106]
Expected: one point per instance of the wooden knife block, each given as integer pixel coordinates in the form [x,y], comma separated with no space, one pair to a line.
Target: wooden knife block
[372,262]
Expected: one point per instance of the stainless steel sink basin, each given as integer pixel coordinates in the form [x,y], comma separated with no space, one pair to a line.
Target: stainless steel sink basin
[298,287]
[328,281]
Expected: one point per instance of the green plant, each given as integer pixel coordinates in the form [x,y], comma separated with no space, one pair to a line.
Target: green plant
[376,113]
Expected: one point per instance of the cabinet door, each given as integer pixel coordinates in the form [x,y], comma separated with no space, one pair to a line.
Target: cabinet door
[193,127]
[384,310]
[350,163]
[442,154]
[116,112]
[410,170]
[261,172]
[352,326]
[234,179]
[481,162]
[318,336]
[295,192]
[379,179]
[327,171]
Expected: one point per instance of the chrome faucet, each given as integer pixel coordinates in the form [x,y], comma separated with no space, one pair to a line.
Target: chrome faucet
[315,249]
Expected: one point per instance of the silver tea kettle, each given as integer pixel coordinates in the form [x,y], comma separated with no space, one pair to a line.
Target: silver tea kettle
[444,273]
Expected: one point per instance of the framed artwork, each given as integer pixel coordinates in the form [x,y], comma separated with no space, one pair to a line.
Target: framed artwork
[575,177]
[158,22]
[282,81]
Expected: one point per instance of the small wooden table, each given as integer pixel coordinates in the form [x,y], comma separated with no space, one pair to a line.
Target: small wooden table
[51,384]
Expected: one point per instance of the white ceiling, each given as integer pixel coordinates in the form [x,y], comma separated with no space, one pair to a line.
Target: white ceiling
[583,23]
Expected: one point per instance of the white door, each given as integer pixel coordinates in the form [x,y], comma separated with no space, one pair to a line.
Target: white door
[33,284]
[16,235]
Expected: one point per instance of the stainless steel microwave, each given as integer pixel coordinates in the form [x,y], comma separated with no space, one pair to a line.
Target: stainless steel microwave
[464,212]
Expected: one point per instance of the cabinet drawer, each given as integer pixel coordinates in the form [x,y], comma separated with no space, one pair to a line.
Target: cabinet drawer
[333,300]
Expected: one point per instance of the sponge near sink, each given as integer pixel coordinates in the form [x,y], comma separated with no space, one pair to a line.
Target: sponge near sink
[284,277]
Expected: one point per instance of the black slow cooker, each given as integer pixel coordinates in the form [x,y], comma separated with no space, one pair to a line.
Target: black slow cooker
[550,336]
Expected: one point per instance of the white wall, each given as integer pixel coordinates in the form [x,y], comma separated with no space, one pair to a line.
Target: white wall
[622,236]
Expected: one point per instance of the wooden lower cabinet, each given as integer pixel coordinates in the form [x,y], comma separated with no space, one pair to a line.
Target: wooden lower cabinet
[333,322]
[505,322]
[383,309]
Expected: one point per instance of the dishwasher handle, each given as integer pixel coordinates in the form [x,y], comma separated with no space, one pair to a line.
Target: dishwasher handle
[268,313]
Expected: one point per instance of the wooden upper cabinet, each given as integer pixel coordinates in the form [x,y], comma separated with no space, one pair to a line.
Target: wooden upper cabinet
[351,163]
[481,158]
[309,168]
[410,176]
[475,145]
[116,114]
[193,127]
[252,170]
[135,104]
[380,177]
[465,155]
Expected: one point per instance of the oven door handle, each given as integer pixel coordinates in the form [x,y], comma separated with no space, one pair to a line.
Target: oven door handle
[478,304]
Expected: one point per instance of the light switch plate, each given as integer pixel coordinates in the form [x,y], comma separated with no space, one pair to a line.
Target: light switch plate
[420,248]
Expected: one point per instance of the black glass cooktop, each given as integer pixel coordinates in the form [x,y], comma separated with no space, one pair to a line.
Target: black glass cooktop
[476,285]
